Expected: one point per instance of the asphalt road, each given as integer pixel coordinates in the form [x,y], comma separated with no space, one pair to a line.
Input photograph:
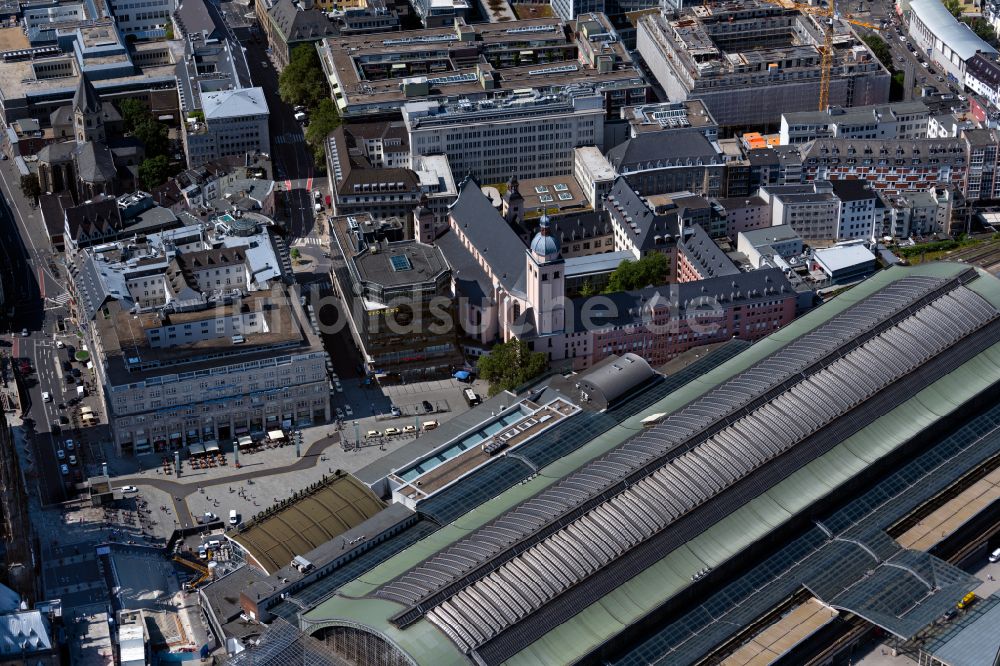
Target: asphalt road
[902,58]
[40,284]
[294,167]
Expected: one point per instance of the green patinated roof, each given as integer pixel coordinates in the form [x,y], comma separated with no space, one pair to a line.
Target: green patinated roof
[629,602]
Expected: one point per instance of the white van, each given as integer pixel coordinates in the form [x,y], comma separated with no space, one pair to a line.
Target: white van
[233,517]
[995,556]
[430,425]
[300,116]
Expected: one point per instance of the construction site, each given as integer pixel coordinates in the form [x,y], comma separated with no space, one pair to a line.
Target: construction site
[751,61]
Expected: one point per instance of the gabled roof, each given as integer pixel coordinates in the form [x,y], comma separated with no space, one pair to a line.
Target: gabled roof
[86,98]
[625,205]
[665,147]
[99,217]
[476,218]
[194,16]
[95,163]
[300,26]
[24,633]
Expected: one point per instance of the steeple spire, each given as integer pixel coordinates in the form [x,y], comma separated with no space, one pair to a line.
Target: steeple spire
[86,99]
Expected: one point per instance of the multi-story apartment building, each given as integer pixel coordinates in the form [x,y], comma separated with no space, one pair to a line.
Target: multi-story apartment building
[983,181]
[918,214]
[198,338]
[287,25]
[397,299]
[378,74]
[889,166]
[528,133]
[222,114]
[824,211]
[749,62]
[898,120]
[982,76]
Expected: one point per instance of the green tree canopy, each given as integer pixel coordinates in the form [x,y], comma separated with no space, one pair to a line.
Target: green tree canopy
[153,136]
[324,119]
[511,364]
[30,187]
[302,81]
[953,6]
[651,270]
[154,171]
[880,49]
[133,113]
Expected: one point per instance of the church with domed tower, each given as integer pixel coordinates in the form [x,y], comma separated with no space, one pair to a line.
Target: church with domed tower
[509,284]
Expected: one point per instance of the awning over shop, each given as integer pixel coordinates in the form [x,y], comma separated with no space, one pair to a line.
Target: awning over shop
[461,375]
[196,449]
[212,446]
[244,441]
[275,435]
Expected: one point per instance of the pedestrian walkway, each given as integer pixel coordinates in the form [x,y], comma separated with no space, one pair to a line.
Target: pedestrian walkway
[289,138]
[61,299]
[307,240]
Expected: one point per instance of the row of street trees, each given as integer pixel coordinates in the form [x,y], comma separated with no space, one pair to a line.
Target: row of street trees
[303,83]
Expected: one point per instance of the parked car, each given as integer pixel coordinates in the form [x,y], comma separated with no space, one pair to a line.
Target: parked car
[24,333]
[428,407]
[373,434]
[389,432]
[60,344]
[339,387]
[995,556]
[409,429]
[70,445]
[129,490]
[60,454]
[396,411]
[348,411]
[339,412]
[72,460]
[64,469]
[46,396]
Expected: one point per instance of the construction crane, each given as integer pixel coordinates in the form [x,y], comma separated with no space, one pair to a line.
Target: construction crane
[829,14]
[204,572]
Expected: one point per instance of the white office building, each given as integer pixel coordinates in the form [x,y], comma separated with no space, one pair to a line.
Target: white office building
[529,134]
[235,123]
[146,19]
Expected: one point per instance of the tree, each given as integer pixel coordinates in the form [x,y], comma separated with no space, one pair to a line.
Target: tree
[295,254]
[651,270]
[302,81]
[168,32]
[325,119]
[953,6]
[154,171]
[133,113]
[153,136]
[511,364]
[30,187]
[880,49]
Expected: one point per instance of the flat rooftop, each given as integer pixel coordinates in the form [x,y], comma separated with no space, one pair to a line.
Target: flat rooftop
[123,333]
[515,426]
[448,58]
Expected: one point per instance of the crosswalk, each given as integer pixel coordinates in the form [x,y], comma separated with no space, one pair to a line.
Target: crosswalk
[289,137]
[308,240]
[61,299]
